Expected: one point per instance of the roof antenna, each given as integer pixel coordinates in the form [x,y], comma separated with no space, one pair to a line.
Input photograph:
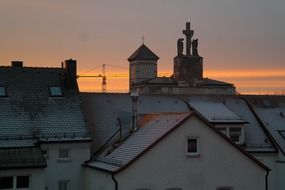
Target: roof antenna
[142,39]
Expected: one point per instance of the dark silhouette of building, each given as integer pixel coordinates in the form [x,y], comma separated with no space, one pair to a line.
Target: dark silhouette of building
[187,76]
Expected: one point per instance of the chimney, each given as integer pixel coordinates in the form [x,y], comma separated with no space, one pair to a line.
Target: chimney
[70,73]
[17,63]
[135,97]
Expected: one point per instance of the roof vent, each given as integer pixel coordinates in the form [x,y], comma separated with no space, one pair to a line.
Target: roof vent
[17,63]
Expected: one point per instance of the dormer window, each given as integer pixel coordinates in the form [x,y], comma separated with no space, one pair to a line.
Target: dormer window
[236,134]
[3,91]
[55,91]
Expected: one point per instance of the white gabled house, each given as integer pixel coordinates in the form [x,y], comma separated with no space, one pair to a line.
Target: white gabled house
[44,139]
[173,148]
[260,126]
[270,112]
[176,151]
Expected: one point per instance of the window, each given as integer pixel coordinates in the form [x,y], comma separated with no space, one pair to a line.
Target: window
[64,154]
[225,188]
[236,134]
[192,146]
[15,182]
[55,91]
[3,91]
[22,181]
[6,182]
[63,185]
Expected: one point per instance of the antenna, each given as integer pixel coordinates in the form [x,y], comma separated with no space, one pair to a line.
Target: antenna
[104,83]
[143,39]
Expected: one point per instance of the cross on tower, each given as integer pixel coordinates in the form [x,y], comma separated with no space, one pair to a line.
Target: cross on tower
[188,33]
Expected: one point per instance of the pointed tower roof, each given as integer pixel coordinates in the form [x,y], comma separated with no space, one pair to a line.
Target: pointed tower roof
[143,53]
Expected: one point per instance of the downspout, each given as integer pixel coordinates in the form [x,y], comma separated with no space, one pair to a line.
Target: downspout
[116,182]
[266,179]
[134,96]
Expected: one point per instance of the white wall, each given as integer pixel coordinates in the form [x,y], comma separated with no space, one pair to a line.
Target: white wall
[219,164]
[269,159]
[280,166]
[36,176]
[95,179]
[66,170]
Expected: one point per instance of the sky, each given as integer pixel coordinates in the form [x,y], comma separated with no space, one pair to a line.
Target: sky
[242,42]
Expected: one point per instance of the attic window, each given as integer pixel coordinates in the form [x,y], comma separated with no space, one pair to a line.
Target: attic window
[3,91]
[236,134]
[55,91]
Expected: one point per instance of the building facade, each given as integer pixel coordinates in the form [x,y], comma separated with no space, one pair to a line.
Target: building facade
[44,139]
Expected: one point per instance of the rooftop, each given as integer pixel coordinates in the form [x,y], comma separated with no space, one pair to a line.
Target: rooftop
[143,53]
[29,113]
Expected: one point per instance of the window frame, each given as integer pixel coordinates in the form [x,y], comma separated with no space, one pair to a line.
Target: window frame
[228,133]
[65,158]
[15,182]
[9,181]
[22,187]
[197,152]
[66,182]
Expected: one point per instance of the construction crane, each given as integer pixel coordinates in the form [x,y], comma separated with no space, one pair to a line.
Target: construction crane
[103,76]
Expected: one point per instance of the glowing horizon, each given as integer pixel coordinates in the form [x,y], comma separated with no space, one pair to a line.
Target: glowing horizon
[246,82]
[239,41]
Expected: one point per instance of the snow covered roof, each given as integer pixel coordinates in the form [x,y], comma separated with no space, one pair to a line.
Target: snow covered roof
[270,110]
[151,131]
[29,113]
[215,112]
[234,109]
[104,110]
[161,81]
[211,82]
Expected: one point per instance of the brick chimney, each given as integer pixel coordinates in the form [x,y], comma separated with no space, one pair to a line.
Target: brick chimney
[16,63]
[70,74]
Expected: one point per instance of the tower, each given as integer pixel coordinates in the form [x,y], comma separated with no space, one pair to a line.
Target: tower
[188,69]
[143,65]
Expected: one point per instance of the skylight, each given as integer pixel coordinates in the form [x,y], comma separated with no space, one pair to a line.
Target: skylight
[55,91]
[3,91]
[282,133]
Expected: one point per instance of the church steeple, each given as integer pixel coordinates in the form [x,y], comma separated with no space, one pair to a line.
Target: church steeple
[143,65]
[143,53]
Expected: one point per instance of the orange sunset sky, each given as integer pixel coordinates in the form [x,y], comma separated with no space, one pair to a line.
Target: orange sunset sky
[242,42]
